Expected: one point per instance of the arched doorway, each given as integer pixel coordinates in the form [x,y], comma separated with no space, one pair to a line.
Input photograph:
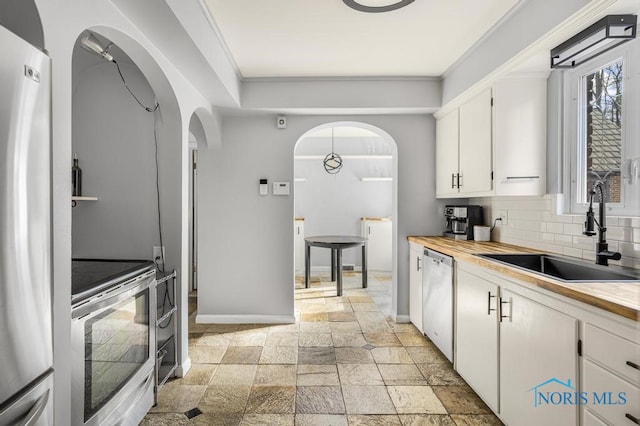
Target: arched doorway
[340,203]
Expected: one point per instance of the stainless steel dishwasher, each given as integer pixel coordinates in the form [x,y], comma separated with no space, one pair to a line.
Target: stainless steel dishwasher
[437,300]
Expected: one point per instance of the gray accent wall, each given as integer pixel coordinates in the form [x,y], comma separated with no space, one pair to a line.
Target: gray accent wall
[114,140]
[246,240]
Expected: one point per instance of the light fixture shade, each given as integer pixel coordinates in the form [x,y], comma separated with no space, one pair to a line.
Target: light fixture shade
[604,35]
[332,163]
[91,44]
[387,6]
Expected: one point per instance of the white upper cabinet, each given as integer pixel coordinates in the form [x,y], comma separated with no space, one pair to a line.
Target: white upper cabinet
[494,143]
[519,136]
[475,146]
[463,149]
[447,154]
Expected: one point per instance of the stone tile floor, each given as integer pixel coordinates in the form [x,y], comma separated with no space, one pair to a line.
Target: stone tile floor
[343,362]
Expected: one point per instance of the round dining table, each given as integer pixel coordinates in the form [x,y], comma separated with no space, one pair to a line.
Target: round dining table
[336,243]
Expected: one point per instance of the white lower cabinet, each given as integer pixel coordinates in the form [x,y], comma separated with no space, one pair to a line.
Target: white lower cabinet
[379,237]
[538,347]
[509,347]
[415,285]
[298,245]
[611,376]
[476,342]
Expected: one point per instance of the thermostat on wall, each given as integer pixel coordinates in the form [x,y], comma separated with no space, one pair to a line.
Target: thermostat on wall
[280,188]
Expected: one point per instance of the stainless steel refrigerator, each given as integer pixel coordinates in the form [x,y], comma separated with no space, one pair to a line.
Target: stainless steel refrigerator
[26,353]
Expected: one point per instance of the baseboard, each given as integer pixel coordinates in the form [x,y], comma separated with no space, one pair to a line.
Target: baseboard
[183,368]
[245,319]
[402,319]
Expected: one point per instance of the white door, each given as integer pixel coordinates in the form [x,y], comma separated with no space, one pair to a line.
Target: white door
[476,348]
[538,347]
[475,145]
[415,285]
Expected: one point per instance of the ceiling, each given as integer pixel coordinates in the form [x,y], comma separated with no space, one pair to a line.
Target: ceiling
[325,38]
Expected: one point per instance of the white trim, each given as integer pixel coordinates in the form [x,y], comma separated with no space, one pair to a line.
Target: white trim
[223,42]
[339,78]
[184,368]
[483,38]
[402,319]
[245,319]
[562,31]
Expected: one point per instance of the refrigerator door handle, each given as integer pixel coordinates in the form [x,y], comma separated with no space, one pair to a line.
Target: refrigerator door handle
[36,411]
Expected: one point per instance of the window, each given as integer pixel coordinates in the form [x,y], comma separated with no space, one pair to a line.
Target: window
[604,138]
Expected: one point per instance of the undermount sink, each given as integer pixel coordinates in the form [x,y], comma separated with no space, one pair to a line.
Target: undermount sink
[564,269]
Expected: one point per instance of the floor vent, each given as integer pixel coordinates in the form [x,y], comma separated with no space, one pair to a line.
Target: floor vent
[194,412]
[348,267]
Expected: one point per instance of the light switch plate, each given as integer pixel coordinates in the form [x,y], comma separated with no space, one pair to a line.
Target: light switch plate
[281,188]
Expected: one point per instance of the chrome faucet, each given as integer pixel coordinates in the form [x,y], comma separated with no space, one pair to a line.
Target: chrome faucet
[602,248]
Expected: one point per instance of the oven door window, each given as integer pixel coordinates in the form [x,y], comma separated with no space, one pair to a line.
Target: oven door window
[116,343]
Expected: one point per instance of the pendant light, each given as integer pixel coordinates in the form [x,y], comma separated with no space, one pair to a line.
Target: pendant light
[332,162]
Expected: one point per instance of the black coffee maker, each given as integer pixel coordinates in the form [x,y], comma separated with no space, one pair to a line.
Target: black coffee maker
[461,220]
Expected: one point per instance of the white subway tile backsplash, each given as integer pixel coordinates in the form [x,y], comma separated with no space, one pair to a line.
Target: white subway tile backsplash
[556,228]
[572,229]
[570,251]
[535,223]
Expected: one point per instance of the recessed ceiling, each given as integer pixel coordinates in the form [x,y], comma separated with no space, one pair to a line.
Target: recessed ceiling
[325,38]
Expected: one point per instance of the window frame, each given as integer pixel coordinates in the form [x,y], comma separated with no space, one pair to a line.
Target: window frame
[573,131]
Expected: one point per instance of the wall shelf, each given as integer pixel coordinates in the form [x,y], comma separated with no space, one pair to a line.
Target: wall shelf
[377,179]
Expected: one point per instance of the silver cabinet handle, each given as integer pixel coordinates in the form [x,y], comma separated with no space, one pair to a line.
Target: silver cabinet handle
[418,263]
[453,179]
[522,177]
[502,303]
[36,411]
[459,180]
[489,297]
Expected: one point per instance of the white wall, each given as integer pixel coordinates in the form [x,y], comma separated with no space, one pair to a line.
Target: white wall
[179,99]
[246,244]
[334,204]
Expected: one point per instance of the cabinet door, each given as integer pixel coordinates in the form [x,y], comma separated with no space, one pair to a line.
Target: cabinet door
[476,344]
[378,234]
[519,137]
[298,238]
[447,154]
[538,350]
[475,145]
[415,285]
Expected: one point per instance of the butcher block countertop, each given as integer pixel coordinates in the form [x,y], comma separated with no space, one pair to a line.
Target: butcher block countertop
[619,298]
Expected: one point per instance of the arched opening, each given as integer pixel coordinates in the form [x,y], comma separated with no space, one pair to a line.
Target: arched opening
[359,200]
[197,138]
[127,137]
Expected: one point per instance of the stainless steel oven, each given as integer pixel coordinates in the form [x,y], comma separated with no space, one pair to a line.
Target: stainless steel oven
[113,347]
